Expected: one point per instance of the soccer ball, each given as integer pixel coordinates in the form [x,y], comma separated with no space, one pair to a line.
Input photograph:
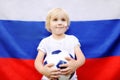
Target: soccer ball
[57,58]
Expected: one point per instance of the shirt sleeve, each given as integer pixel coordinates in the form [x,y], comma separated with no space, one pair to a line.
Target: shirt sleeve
[76,41]
[41,46]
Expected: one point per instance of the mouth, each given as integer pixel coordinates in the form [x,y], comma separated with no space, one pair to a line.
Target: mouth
[60,27]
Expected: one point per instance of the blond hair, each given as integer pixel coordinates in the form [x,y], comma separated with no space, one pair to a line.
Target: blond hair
[55,11]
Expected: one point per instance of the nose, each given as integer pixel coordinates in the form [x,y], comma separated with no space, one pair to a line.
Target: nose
[59,22]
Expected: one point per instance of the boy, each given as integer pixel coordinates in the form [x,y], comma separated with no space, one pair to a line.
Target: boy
[57,22]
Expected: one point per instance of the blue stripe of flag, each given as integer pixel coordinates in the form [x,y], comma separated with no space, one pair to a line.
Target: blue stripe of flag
[19,39]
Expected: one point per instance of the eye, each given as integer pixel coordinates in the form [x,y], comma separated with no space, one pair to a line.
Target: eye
[63,19]
[55,19]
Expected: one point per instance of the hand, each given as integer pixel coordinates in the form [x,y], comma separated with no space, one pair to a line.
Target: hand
[50,72]
[70,66]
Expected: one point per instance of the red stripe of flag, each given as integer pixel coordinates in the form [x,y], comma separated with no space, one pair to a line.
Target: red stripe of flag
[17,69]
[107,68]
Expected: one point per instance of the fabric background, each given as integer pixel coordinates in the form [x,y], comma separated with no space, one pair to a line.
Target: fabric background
[95,23]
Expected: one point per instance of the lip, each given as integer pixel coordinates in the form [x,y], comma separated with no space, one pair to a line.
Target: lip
[59,27]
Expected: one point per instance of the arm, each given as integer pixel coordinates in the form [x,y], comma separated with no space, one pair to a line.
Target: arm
[47,69]
[72,64]
[80,57]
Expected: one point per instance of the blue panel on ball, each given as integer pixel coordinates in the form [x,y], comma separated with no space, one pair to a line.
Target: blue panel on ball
[45,62]
[56,52]
[61,62]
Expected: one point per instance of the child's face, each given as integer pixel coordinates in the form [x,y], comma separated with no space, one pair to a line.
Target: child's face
[58,24]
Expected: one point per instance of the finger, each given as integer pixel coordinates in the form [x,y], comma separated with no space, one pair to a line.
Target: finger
[68,58]
[50,65]
[55,76]
[55,73]
[55,70]
[64,65]
[65,70]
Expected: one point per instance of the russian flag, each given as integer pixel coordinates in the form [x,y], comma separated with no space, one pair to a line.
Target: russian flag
[96,23]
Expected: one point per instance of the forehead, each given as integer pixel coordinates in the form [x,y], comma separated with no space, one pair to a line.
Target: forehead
[58,14]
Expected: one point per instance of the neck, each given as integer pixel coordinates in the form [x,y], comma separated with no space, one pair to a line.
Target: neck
[58,36]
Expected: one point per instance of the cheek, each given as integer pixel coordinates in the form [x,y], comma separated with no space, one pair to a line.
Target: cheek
[52,24]
[65,24]
[52,28]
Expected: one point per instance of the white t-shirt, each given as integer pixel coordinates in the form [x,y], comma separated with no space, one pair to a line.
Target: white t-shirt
[49,44]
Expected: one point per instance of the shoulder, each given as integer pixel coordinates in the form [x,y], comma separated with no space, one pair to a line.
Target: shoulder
[71,37]
[46,39]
